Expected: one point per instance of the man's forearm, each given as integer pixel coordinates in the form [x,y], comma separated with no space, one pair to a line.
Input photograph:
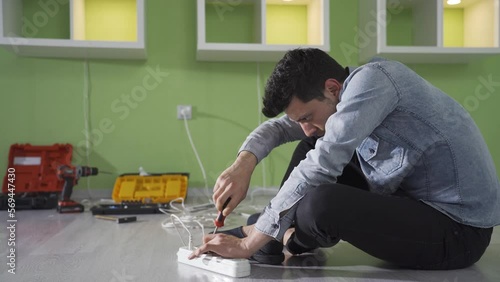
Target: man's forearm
[255,239]
[247,159]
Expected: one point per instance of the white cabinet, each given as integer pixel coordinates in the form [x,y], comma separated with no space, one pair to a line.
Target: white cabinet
[428,31]
[110,29]
[259,30]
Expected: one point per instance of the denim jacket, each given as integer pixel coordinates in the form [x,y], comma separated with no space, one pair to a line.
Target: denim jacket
[407,135]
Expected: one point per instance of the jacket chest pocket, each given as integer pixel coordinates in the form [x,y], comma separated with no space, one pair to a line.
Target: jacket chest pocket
[381,155]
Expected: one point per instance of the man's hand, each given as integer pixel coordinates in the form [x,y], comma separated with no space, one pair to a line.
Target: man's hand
[229,246]
[234,182]
[224,245]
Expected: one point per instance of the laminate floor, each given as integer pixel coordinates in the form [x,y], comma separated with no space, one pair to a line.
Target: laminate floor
[78,247]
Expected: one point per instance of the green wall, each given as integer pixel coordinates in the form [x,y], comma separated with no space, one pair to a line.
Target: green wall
[400,28]
[38,26]
[228,24]
[42,100]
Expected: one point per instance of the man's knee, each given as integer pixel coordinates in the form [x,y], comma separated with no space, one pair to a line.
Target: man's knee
[319,213]
[316,203]
[325,202]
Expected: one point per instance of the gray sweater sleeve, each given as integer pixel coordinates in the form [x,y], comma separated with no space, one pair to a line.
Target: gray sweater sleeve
[270,135]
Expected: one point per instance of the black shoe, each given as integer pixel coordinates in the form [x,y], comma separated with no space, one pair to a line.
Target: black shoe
[270,253]
[252,219]
[294,248]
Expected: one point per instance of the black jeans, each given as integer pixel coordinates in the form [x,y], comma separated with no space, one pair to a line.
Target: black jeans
[396,228]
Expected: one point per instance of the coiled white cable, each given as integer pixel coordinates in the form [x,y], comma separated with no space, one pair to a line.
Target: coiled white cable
[173,217]
[190,220]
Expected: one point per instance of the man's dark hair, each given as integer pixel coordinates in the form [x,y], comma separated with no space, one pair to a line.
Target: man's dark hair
[301,73]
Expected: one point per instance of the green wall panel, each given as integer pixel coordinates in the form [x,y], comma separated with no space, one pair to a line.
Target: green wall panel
[400,28]
[46,19]
[231,24]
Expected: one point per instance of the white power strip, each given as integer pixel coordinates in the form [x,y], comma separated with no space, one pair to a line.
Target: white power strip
[226,266]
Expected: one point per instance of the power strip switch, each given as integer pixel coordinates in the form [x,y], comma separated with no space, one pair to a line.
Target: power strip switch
[226,266]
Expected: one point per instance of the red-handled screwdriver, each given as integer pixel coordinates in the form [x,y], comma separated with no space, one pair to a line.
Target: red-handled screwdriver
[219,221]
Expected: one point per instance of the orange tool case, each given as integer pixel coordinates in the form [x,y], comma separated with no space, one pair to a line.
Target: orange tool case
[140,194]
[154,188]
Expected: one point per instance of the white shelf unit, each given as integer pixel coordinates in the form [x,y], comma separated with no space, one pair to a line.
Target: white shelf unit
[260,30]
[430,31]
[100,42]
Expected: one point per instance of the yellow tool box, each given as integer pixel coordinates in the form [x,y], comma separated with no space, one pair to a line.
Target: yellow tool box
[154,188]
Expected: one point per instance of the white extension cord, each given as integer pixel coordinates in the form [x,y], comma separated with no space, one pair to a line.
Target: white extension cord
[230,267]
[215,263]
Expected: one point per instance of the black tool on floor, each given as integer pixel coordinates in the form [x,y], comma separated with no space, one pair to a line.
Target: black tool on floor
[118,219]
[128,208]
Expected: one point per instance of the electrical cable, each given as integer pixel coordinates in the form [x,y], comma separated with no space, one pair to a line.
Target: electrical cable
[192,219]
[189,219]
[207,193]
[86,117]
[86,107]
[171,204]
[190,238]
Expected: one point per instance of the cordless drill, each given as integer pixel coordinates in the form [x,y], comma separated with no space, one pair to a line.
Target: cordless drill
[71,175]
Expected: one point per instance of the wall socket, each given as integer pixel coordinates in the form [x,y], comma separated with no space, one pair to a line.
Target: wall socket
[184,109]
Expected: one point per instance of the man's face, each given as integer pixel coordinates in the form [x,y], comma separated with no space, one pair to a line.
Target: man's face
[312,116]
